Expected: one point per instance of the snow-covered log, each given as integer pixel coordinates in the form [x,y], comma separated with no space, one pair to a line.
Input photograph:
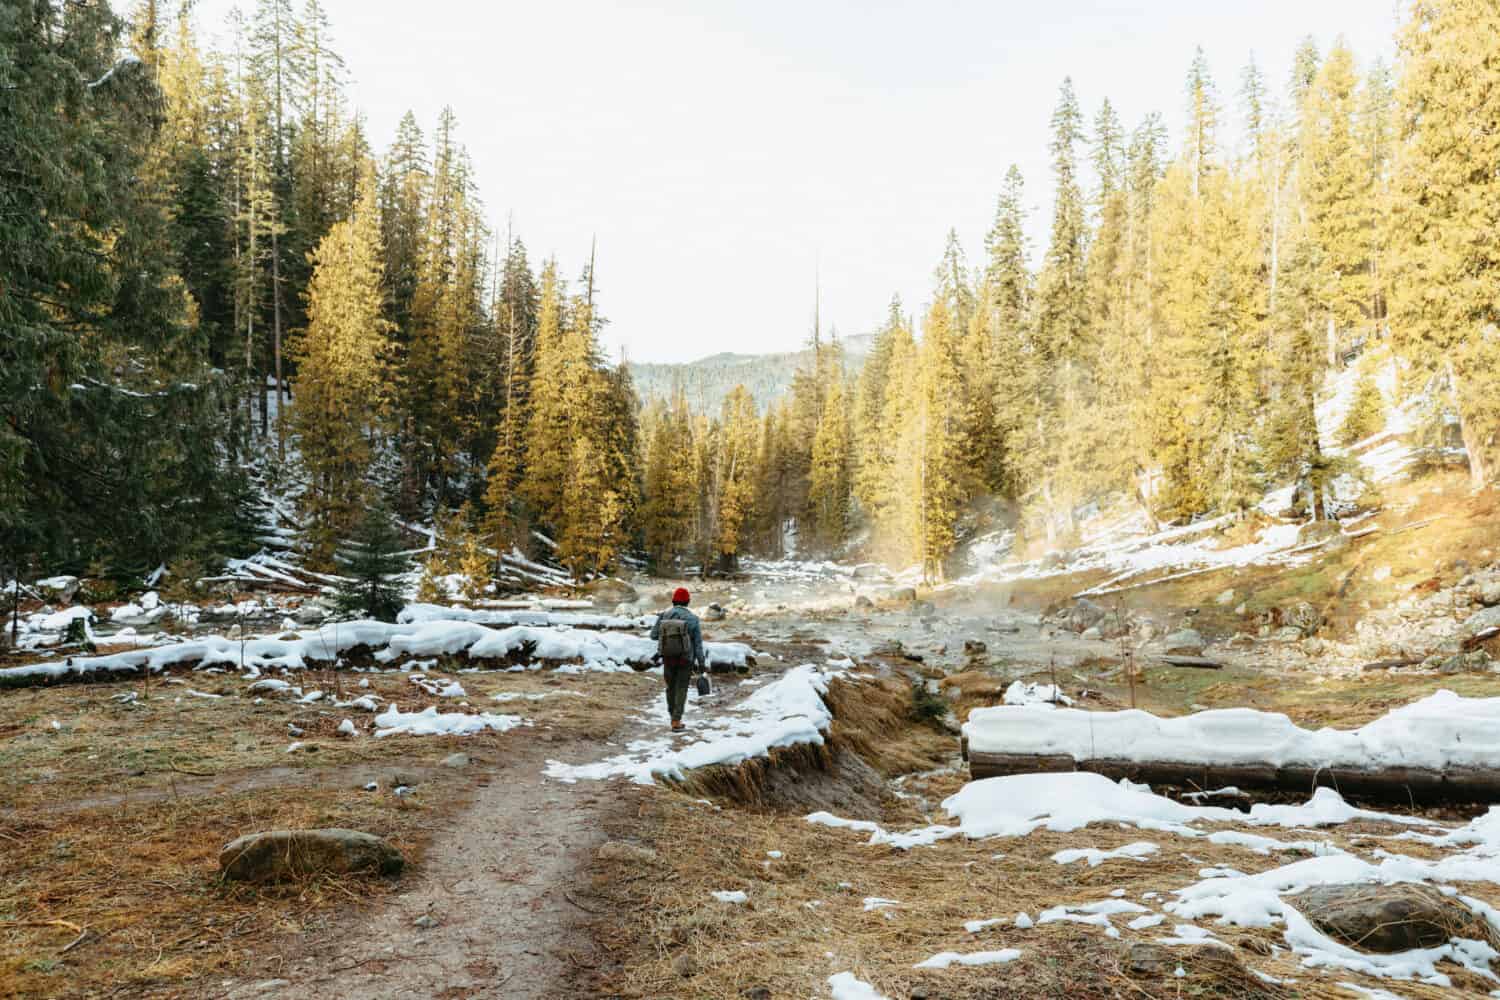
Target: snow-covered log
[1443,748]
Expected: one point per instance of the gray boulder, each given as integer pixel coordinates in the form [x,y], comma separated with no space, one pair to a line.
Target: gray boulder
[1481,621]
[1083,615]
[285,855]
[713,613]
[1488,594]
[607,591]
[1184,642]
[1387,918]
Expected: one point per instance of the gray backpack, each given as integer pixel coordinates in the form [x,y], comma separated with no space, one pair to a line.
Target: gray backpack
[675,642]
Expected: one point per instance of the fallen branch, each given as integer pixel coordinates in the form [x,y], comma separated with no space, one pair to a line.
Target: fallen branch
[75,942]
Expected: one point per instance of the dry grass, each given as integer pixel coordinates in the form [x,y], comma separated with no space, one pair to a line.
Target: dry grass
[806,917]
[142,880]
[112,820]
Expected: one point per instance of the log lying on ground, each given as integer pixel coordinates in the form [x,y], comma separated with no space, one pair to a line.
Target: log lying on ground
[1199,662]
[1442,748]
[1404,661]
[1401,786]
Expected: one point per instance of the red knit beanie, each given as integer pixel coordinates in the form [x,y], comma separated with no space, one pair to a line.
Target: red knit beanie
[681,596]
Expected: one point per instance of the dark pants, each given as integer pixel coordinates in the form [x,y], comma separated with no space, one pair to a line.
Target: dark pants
[679,674]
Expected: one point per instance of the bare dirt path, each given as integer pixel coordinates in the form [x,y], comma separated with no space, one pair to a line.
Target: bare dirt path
[497,908]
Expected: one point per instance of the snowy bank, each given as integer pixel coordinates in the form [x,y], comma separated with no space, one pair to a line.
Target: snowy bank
[787,711]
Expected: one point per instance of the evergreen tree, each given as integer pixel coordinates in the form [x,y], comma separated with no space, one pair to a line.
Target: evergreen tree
[343,371]
[830,477]
[1446,208]
[374,565]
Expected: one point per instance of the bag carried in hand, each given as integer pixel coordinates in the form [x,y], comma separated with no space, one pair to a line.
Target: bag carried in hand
[703,688]
[674,641]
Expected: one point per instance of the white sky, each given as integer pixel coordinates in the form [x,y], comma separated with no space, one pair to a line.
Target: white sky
[725,151]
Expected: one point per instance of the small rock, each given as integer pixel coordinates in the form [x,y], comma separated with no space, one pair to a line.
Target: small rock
[1242,609]
[1092,633]
[1225,598]
[1146,959]
[624,850]
[456,760]
[685,965]
[757,993]
[346,728]
[427,922]
[282,855]
[973,647]
[1083,615]
[270,985]
[1387,918]
[713,613]
[1289,633]
[1381,574]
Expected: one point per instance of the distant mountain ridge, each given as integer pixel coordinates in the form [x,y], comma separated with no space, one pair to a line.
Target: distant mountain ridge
[708,380]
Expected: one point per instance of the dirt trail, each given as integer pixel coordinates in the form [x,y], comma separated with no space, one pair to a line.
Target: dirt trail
[497,908]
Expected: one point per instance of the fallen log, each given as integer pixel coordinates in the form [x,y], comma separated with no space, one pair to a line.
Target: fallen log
[1405,661]
[1398,785]
[1198,662]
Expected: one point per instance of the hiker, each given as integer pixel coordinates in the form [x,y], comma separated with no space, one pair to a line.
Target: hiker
[679,640]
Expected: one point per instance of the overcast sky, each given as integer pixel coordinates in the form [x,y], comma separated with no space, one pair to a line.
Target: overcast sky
[724,152]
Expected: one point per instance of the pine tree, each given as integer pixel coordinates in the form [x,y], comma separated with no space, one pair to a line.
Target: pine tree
[1337,195]
[1202,120]
[343,370]
[1446,208]
[830,477]
[737,473]
[1061,302]
[374,566]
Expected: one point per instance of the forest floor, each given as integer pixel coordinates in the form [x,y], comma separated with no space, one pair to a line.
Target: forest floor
[531,875]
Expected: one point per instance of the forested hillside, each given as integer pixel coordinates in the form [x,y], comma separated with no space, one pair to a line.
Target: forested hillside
[707,381]
[216,290]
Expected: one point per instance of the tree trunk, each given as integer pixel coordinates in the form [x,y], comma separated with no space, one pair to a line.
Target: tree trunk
[1479,473]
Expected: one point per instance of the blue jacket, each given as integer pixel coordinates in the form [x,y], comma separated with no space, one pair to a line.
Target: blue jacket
[695,630]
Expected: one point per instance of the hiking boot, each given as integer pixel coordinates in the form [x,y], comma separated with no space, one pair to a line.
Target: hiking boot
[677,725]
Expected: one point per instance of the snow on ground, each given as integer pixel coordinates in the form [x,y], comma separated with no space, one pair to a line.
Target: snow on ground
[846,987]
[1440,731]
[431,722]
[1036,695]
[784,712]
[1017,805]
